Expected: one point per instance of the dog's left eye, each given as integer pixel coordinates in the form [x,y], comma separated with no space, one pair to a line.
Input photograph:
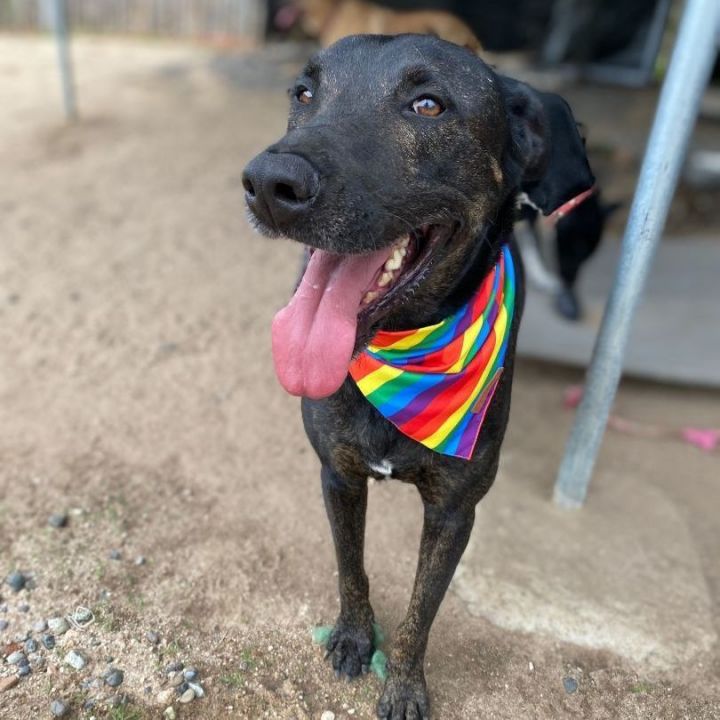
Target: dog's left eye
[304,95]
[427,106]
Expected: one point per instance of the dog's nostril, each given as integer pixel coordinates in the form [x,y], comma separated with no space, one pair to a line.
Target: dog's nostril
[247,184]
[286,192]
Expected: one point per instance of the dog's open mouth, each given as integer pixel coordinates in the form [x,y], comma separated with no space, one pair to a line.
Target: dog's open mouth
[314,334]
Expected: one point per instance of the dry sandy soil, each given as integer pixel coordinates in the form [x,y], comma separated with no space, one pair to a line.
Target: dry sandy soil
[136,392]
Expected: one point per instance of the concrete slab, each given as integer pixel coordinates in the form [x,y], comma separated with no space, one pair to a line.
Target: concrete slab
[623,575]
[676,336]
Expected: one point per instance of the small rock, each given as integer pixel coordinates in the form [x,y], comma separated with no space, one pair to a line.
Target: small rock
[197,689]
[40,626]
[187,696]
[181,688]
[58,625]
[570,684]
[169,713]
[190,674]
[165,696]
[176,666]
[37,661]
[531,666]
[58,708]
[4,625]
[16,580]
[115,555]
[7,683]
[152,637]
[114,677]
[58,520]
[48,641]
[140,560]
[176,679]
[89,704]
[75,660]
[14,658]
[83,615]
[3,607]
[328,715]
[24,670]
[31,646]
[24,608]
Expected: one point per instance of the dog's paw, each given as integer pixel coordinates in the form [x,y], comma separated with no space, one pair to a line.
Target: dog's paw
[350,647]
[404,698]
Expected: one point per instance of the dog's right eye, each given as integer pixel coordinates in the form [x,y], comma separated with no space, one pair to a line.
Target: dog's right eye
[303,95]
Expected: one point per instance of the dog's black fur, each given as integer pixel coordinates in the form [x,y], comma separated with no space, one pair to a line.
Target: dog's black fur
[362,169]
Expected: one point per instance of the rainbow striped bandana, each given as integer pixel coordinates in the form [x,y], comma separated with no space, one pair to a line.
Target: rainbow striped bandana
[435,383]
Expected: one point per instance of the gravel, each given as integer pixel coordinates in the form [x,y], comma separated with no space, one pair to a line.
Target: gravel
[169,713]
[115,555]
[114,677]
[191,674]
[176,666]
[82,616]
[75,660]
[187,696]
[58,625]
[16,580]
[570,684]
[58,520]
[197,689]
[58,708]
[48,641]
[24,608]
[4,625]
[31,646]
[24,670]
[39,626]
[152,637]
[328,715]
[14,658]
[140,560]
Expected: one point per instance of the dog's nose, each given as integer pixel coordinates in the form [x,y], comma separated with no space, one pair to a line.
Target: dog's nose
[280,187]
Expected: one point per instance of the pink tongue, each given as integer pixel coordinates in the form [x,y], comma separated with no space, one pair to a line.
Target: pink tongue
[313,336]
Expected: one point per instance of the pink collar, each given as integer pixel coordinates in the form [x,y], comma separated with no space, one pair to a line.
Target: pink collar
[570,205]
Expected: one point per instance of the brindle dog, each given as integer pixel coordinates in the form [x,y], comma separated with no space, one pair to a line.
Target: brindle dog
[390,138]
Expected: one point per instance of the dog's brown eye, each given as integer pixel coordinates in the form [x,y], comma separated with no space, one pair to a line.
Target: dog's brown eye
[427,106]
[304,95]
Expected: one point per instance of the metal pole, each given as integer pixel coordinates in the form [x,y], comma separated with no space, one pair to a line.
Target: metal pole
[63,45]
[682,91]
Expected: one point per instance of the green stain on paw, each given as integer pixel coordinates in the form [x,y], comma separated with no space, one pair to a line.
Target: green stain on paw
[321,634]
[378,635]
[378,664]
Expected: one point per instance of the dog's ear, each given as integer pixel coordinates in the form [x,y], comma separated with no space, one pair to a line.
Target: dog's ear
[547,153]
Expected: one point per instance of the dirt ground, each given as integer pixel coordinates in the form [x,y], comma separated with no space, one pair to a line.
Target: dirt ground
[137,393]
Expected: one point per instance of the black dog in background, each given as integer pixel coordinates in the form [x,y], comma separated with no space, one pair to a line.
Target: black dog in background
[565,246]
[394,144]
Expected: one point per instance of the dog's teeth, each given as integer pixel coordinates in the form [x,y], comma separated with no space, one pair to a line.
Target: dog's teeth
[369,297]
[385,279]
[394,262]
[403,251]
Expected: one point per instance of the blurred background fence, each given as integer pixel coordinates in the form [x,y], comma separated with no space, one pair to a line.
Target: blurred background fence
[176,18]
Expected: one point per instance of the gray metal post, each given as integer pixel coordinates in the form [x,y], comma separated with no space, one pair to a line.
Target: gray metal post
[66,70]
[682,91]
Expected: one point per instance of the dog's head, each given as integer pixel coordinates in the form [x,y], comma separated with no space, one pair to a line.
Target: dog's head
[402,154]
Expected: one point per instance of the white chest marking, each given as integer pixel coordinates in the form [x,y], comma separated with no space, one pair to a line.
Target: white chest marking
[384,467]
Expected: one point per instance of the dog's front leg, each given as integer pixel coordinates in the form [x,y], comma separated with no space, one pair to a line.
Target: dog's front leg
[444,537]
[350,645]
